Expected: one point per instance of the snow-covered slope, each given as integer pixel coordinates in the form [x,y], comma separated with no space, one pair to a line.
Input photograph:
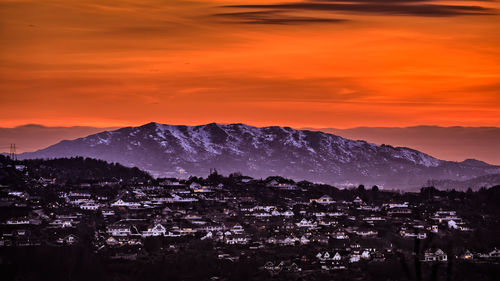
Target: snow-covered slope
[169,150]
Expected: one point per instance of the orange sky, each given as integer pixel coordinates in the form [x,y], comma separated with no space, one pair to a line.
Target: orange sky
[308,63]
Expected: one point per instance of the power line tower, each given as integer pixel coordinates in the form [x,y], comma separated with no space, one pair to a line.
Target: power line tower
[12,153]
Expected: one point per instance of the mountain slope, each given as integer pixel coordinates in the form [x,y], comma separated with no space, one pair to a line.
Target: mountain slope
[450,143]
[169,150]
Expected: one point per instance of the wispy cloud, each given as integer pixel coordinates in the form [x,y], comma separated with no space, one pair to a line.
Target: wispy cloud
[273,17]
[419,8]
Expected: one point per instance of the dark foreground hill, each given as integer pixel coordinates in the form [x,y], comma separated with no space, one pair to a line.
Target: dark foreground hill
[77,169]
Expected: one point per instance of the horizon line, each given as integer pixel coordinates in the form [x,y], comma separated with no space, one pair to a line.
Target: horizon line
[248,124]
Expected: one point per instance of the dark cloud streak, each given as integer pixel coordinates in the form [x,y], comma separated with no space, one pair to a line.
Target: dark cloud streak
[273,17]
[379,7]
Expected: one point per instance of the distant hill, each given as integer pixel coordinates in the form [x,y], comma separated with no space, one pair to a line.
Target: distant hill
[449,143]
[168,150]
[474,183]
[33,137]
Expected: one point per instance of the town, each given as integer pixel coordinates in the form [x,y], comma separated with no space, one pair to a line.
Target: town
[117,223]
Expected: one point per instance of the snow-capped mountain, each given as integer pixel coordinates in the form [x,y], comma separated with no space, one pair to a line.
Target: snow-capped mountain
[168,150]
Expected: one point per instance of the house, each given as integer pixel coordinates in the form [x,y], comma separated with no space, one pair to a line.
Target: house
[354,257]
[20,167]
[397,205]
[373,219]
[178,199]
[366,232]
[211,227]
[122,203]
[62,223]
[288,241]
[282,266]
[341,235]
[68,240]
[194,185]
[156,230]
[111,241]
[433,228]
[324,257]
[209,235]
[325,199]
[284,186]
[89,206]
[406,233]
[495,253]
[236,239]
[18,221]
[365,255]
[263,214]
[306,223]
[304,240]
[272,240]
[445,216]
[322,239]
[237,228]
[107,212]
[269,266]
[228,257]
[19,194]
[118,229]
[399,211]
[437,255]
[467,255]
[170,182]
[452,224]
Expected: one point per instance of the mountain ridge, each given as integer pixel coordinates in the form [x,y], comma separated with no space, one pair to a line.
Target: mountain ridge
[455,143]
[179,150]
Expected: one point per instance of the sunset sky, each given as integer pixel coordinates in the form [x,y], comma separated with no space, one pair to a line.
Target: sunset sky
[312,63]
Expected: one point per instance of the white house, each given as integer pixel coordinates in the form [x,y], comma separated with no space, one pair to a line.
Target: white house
[323,257]
[157,230]
[304,240]
[237,228]
[438,255]
[305,223]
[118,230]
[354,258]
[89,206]
[325,199]
[122,203]
[341,235]
[18,221]
[69,239]
[365,255]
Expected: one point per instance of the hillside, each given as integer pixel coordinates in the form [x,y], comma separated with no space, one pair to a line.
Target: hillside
[67,170]
[169,150]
